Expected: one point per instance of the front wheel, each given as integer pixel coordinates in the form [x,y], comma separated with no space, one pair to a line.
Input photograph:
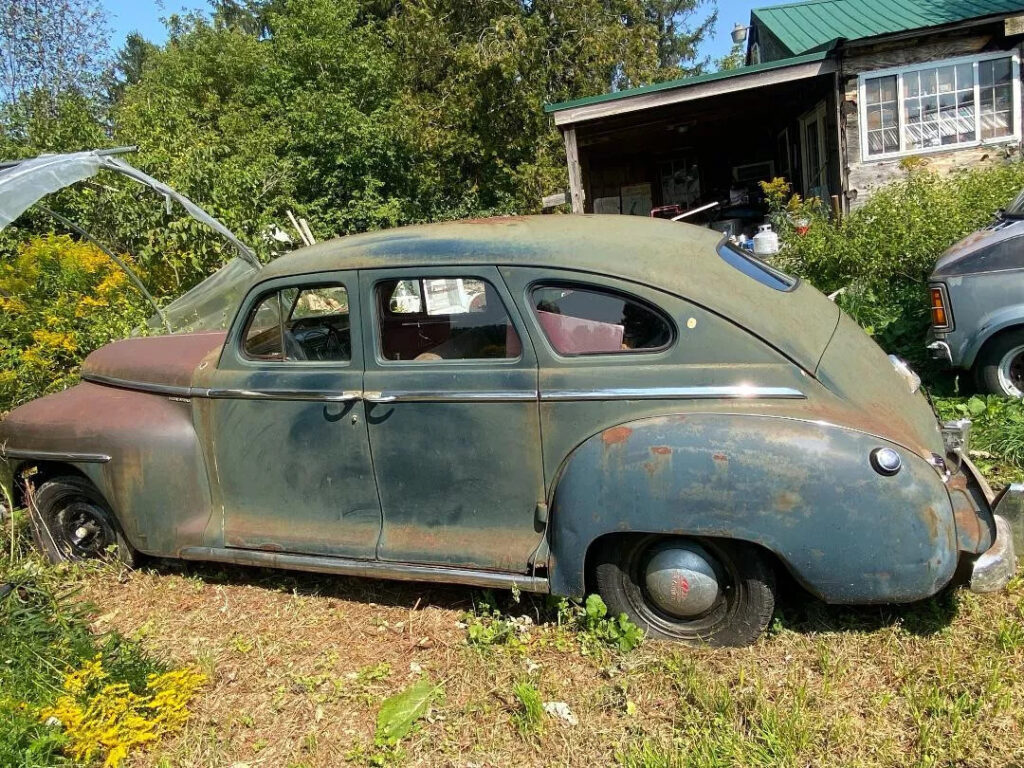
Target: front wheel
[696,591]
[1000,368]
[72,522]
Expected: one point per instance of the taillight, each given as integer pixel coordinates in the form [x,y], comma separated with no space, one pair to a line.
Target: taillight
[941,318]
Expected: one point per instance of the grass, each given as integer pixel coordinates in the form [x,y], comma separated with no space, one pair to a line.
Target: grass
[933,684]
[70,695]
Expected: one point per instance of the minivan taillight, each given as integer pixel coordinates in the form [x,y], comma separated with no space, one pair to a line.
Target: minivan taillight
[942,320]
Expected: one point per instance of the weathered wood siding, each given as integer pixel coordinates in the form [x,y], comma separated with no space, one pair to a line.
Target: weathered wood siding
[862,177]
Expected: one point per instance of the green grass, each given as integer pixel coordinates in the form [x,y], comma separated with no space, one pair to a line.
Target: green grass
[44,633]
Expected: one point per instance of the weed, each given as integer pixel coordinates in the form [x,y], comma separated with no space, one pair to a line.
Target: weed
[601,629]
[528,717]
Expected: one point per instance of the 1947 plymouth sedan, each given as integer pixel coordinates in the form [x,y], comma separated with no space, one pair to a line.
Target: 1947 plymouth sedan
[558,403]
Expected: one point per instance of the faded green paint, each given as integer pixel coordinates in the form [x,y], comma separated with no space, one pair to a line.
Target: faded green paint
[215,456]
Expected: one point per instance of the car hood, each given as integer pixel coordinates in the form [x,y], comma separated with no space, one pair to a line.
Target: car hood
[989,249]
[152,362]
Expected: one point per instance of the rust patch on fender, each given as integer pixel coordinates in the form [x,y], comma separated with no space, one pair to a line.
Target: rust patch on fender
[660,450]
[616,435]
[787,501]
[719,458]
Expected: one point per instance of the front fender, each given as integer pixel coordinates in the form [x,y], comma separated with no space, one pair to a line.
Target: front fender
[140,449]
[991,324]
[804,490]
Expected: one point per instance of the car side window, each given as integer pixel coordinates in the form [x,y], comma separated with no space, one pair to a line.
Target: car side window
[588,320]
[308,324]
[434,319]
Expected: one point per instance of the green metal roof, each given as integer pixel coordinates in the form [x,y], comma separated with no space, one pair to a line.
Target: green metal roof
[687,82]
[809,25]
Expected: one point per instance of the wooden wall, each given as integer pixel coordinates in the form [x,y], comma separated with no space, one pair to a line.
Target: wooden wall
[861,177]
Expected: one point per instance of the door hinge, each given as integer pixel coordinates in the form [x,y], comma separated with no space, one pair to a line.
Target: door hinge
[541,513]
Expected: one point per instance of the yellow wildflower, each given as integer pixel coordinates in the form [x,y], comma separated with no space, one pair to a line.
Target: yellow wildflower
[113,721]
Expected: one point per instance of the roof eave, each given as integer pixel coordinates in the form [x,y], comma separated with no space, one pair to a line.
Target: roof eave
[691,89]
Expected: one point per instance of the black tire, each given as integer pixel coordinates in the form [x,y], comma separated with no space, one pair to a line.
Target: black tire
[71,521]
[999,369]
[741,611]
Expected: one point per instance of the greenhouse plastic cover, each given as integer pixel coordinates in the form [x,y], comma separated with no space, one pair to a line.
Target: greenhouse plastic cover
[205,307]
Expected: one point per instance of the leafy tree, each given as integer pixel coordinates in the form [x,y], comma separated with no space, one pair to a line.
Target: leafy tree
[51,46]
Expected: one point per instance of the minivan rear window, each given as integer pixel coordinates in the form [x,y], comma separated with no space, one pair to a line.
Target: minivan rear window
[751,266]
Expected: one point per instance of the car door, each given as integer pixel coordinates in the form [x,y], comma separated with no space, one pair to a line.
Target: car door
[287,433]
[452,409]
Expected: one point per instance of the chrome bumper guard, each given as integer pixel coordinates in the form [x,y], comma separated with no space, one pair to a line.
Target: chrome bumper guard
[994,568]
[940,351]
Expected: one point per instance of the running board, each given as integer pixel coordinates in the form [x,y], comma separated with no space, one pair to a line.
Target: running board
[374,569]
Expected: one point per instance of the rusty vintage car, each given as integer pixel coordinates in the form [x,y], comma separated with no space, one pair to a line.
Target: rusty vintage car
[558,403]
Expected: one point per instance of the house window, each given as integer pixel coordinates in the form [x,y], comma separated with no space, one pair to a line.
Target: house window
[954,103]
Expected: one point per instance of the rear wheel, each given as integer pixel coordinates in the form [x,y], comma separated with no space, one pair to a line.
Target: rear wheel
[72,522]
[1000,366]
[697,591]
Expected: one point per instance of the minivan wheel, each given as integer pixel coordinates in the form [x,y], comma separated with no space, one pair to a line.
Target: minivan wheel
[71,521]
[1001,365]
[697,591]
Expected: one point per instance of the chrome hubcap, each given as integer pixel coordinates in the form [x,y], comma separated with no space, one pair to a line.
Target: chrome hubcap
[1011,372]
[681,580]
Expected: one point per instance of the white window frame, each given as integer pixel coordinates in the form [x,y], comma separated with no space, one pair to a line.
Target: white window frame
[974,60]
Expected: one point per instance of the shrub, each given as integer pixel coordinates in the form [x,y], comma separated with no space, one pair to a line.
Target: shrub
[59,300]
[880,255]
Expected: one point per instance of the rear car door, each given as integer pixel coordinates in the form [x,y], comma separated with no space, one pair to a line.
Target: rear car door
[288,439]
[452,409]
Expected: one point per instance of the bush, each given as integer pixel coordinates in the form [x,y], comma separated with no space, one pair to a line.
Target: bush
[59,300]
[881,254]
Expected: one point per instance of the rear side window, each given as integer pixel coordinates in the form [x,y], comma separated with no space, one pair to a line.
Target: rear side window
[308,324]
[590,321]
[751,266]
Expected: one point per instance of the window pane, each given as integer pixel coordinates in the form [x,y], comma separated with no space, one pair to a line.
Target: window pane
[946,77]
[888,88]
[263,335]
[456,319]
[580,321]
[912,84]
[1001,71]
[318,328]
[928,86]
[964,76]
[985,73]
[871,89]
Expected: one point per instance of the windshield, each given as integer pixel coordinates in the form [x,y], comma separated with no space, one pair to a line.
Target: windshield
[1015,210]
[209,306]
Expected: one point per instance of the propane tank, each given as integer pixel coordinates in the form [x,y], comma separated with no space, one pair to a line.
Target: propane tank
[766,242]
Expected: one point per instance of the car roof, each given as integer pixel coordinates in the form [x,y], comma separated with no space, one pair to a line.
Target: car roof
[593,243]
[671,256]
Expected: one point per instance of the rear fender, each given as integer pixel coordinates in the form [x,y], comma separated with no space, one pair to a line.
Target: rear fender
[804,490]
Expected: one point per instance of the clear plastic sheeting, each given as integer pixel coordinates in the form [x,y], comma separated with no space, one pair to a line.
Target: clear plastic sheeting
[208,306]
[211,304]
[23,184]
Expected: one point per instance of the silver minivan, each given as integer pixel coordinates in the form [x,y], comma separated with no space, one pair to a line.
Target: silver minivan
[977,304]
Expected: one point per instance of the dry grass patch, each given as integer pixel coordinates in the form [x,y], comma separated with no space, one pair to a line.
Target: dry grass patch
[299,664]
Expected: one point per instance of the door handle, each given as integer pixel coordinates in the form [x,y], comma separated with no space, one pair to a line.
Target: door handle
[378,397]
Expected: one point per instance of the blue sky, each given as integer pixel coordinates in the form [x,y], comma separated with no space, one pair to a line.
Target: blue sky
[144,16]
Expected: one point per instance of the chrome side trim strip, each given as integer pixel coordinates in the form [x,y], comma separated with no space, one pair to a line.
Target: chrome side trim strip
[376,569]
[142,386]
[280,394]
[75,458]
[673,393]
[413,396]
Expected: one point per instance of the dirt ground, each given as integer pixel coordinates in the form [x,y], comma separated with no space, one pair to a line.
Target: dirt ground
[298,665]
